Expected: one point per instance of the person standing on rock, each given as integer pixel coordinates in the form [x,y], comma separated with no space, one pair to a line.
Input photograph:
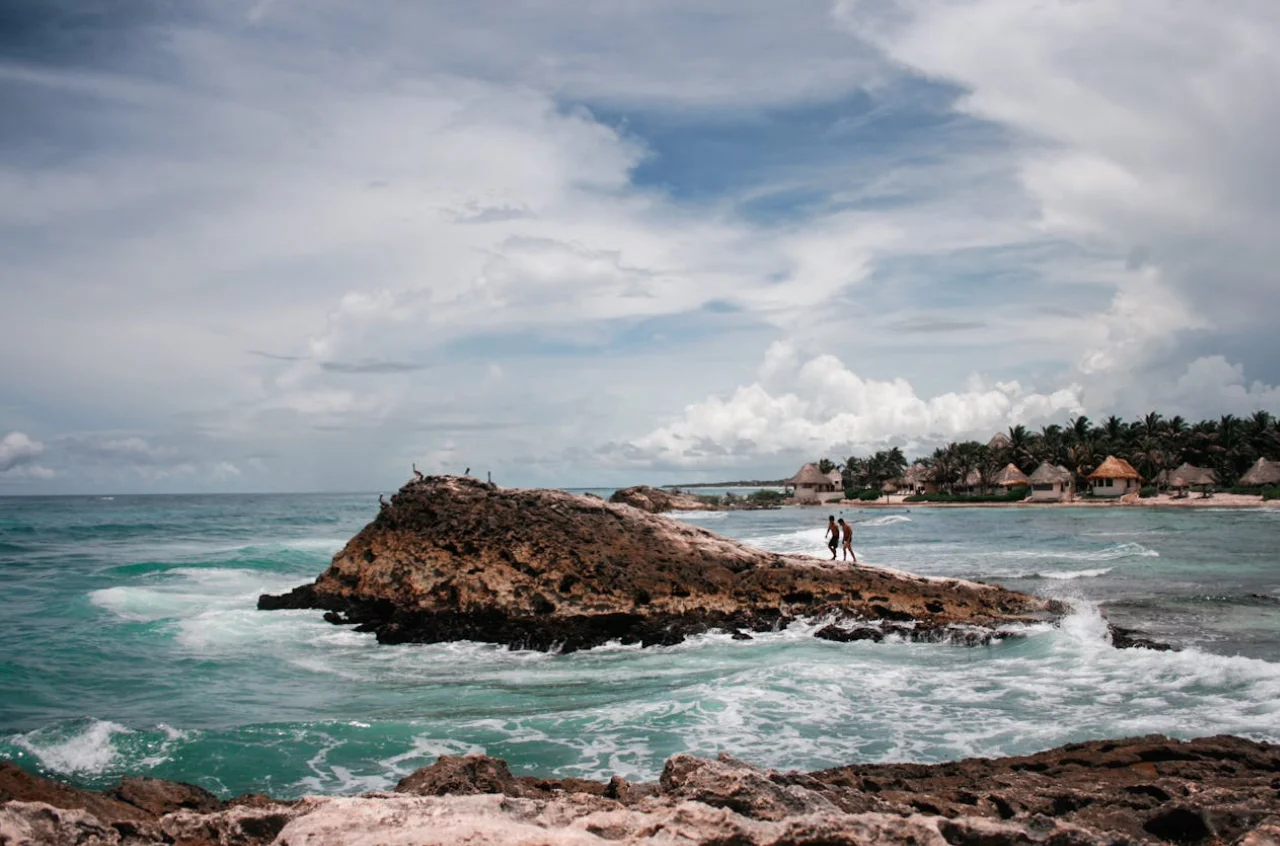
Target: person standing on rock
[847,529]
[834,531]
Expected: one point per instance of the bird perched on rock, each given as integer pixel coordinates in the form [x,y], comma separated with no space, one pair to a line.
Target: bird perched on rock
[467,472]
[417,474]
[382,500]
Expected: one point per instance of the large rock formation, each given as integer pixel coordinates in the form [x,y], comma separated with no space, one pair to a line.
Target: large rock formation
[1218,790]
[659,500]
[456,559]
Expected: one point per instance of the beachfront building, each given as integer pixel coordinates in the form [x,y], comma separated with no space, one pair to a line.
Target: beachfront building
[1114,477]
[1262,473]
[917,480]
[1051,483]
[812,485]
[1010,477]
[971,484]
[1189,476]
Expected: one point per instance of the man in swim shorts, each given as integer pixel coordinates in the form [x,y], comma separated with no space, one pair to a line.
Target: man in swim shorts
[834,531]
[847,529]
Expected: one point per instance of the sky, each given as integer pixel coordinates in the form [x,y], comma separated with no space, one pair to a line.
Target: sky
[275,245]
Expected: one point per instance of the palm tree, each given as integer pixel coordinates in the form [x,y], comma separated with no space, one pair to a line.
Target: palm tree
[1114,429]
[1080,429]
[826,465]
[1151,425]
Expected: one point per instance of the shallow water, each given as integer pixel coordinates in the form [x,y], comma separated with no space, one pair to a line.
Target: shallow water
[133,646]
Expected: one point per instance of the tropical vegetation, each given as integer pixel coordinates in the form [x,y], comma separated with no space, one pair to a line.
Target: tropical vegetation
[1228,446]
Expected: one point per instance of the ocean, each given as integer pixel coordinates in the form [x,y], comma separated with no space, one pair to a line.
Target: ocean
[132,646]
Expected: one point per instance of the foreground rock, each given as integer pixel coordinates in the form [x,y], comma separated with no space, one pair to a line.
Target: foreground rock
[1218,790]
[659,500]
[455,559]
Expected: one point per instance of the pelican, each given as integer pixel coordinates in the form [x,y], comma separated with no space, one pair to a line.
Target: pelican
[417,474]
[382,500]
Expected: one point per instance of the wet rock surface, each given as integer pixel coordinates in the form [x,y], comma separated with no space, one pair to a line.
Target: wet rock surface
[1217,790]
[452,558]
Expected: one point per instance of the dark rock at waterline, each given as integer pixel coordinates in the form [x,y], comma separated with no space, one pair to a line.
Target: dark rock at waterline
[451,558]
[1122,638]
[1215,790]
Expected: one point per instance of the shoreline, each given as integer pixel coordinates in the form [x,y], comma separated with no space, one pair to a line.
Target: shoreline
[1220,501]
[1127,790]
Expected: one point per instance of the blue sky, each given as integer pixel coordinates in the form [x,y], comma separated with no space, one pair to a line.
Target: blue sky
[285,246]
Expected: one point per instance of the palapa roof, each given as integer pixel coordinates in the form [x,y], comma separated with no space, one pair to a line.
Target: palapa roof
[1047,474]
[809,475]
[1188,475]
[973,479]
[999,441]
[1009,476]
[916,474]
[836,478]
[1263,472]
[1115,468]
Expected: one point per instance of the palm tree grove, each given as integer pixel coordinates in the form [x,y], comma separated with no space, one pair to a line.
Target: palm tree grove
[1228,447]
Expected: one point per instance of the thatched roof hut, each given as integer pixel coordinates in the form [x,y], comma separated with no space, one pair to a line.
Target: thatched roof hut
[1048,474]
[809,475]
[1010,477]
[1190,476]
[999,441]
[1263,472]
[973,480]
[1115,468]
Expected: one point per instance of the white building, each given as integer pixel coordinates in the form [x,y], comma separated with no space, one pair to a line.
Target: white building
[1115,477]
[1051,483]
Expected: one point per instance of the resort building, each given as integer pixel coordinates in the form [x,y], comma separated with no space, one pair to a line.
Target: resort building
[1189,476]
[1009,478]
[1051,483]
[917,480]
[1262,473]
[812,485]
[1114,477]
[971,484]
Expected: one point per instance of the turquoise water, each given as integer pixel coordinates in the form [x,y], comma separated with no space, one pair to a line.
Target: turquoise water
[132,646]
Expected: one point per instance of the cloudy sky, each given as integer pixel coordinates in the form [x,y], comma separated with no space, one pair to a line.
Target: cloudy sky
[292,245]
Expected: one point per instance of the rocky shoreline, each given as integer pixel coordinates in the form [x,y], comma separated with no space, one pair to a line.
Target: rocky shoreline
[1216,790]
[451,558]
[659,501]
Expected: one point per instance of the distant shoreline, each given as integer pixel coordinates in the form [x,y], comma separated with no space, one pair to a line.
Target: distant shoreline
[1162,501]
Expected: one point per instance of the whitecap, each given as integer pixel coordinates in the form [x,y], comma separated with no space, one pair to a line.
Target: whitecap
[1065,575]
[885,520]
[88,749]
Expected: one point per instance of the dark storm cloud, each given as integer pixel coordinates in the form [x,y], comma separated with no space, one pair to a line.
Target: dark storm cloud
[81,32]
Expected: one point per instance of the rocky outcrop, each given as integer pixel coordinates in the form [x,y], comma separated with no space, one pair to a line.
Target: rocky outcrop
[660,500]
[455,559]
[1217,790]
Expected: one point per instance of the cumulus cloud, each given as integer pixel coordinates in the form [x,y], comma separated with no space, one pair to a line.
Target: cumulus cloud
[820,405]
[17,451]
[447,235]
[1144,126]
[1212,386]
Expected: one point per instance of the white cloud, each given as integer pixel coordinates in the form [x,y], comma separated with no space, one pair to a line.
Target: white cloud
[1144,124]
[820,405]
[437,252]
[1211,386]
[18,449]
